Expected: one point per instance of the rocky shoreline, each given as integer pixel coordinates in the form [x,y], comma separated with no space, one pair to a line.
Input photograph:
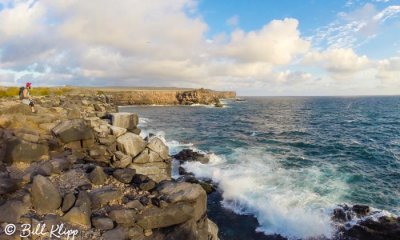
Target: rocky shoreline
[79,164]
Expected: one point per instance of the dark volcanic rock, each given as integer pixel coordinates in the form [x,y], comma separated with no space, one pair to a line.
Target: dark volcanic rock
[361,209]
[124,175]
[386,228]
[45,196]
[8,185]
[190,155]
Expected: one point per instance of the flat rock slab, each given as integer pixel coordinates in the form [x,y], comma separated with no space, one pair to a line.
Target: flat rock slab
[103,196]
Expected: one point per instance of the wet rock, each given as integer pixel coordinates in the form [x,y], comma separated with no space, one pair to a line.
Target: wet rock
[135,204]
[18,150]
[8,185]
[102,223]
[361,209]
[131,144]
[73,130]
[385,228]
[97,176]
[68,202]
[125,120]
[124,217]
[209,188]
[12,211]
[103,196]
[158,146]
[124,175]
[190,155]
[45,196]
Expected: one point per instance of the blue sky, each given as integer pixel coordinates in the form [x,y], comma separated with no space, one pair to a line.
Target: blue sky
[254,47]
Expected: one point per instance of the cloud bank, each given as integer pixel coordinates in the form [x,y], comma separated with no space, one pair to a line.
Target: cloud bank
[165,43]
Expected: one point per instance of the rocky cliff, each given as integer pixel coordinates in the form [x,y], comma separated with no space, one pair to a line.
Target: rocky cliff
[79,164]
[167,97]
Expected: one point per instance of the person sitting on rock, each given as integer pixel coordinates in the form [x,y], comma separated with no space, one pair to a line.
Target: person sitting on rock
[26,97]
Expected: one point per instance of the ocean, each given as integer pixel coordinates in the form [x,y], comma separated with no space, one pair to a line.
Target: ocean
[289,161]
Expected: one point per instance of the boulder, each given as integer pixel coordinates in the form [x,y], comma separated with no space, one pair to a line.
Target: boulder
[45,196]
[158,146]
[185,192]
[12,211]
[79,215]
[143,157]
[117,131]
[68,202]
[155,217]
[60,165]
[123,217]
[147,185]
[102,223]
[158,171]
[18,150]
[73,130]
[97,176]
[131,144]
[8,185]
[135,204]
[103,196]
[125,120]
[124,175]
[118,233]
[122,160]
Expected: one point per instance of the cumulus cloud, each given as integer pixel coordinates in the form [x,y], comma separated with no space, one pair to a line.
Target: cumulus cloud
[389,70]
[338,60]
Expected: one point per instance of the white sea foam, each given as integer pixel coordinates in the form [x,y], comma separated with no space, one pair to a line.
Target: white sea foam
[282,200]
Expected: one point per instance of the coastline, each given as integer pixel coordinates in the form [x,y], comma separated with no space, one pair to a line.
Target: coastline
[85,155]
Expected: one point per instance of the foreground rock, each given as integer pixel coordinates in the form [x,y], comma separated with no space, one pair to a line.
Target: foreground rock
[86,168]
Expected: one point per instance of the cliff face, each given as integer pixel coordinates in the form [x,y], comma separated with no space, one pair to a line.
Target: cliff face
[167,97]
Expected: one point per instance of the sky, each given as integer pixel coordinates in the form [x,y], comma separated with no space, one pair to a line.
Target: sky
[254,47]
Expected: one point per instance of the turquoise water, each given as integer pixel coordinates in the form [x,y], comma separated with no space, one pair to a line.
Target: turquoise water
[289,160]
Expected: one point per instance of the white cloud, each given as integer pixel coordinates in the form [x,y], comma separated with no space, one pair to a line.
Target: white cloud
[389,70]
[276,43]
[338,61]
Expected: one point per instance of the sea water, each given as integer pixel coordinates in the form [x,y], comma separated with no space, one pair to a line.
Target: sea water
[288,161]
